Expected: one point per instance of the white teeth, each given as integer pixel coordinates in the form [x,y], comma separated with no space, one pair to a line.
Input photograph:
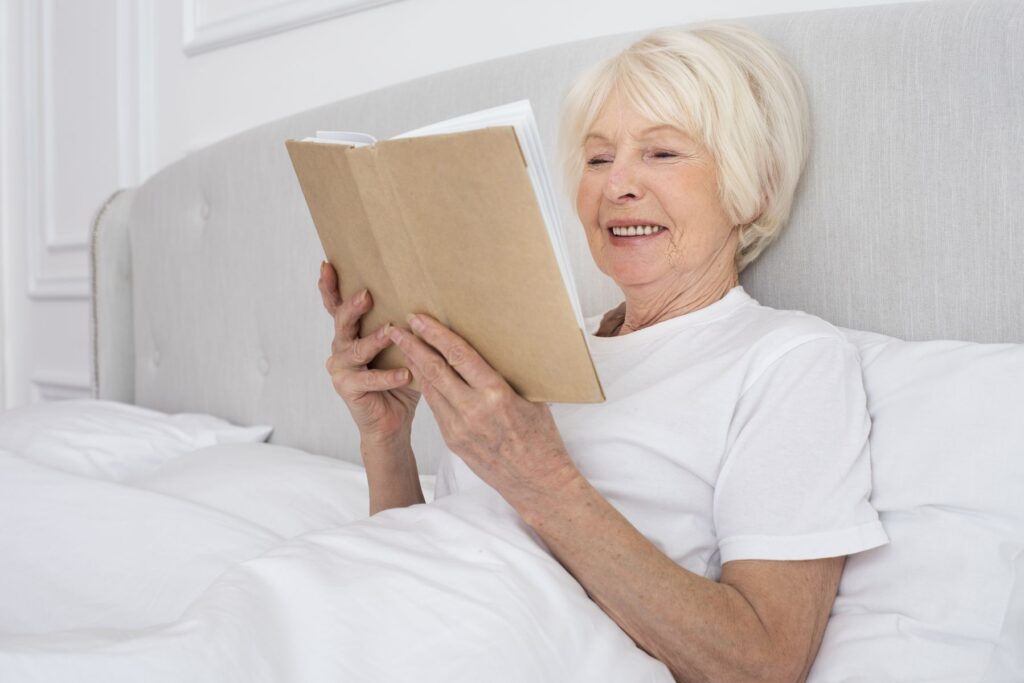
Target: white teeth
[633,230]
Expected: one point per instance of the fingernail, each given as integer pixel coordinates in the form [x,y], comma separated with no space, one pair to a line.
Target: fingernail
[414,322]
[364,296]
[385,331]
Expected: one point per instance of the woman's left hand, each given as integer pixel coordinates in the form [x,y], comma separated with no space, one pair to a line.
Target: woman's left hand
[509,442]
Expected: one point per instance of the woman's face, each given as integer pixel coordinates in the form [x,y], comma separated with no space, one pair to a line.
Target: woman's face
[638,172]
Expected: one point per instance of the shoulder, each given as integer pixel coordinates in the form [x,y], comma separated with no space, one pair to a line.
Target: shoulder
[785,327]
[775,330]
[793,338]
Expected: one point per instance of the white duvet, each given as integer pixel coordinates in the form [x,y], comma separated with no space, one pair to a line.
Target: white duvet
[207,571]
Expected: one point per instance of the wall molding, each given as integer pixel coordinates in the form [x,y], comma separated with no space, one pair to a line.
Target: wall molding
[43,49]
[136,135]
[8,37]
[201,35]
[55,386]
[43,241]
[136,94]
[128,95]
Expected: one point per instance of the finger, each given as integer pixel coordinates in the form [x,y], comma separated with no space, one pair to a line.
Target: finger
[440,406]
[329,290]
[346,319]
[361,351]
[352,386]
[347,312]
[431,367]
[457,352]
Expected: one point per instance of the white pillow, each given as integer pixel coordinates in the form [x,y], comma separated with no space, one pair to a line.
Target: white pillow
[284,490]
[944,601]
[112,440]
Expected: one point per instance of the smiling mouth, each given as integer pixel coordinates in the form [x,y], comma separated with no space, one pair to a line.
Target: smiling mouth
[625,232]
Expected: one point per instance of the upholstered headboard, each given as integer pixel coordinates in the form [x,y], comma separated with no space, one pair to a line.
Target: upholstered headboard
[907,221]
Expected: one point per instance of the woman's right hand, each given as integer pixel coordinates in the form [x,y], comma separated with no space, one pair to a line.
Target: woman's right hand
[379,401]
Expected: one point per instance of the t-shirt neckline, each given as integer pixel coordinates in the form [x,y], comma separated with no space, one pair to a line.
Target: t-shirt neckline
[735,298]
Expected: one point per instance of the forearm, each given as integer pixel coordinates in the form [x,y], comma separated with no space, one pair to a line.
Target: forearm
[703,630]
[392,475]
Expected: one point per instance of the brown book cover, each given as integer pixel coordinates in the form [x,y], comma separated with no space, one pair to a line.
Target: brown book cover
[449,225]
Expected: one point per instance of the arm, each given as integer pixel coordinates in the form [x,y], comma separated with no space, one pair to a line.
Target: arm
[763,621]
[380,403]
[392,475]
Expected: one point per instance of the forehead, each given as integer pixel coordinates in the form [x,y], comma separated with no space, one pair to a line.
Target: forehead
[649,131]
[617,117]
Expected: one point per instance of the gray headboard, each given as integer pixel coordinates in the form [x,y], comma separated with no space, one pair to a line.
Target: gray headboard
[907,221]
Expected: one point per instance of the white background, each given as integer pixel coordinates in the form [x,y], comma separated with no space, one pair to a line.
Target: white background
[99,94]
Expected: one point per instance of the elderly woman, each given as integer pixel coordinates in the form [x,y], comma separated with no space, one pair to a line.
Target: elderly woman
[709,504]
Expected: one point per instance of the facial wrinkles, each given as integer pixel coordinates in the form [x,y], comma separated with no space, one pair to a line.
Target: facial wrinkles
[669,303]
[675,301]
[673,252]
[673,305]
[675,297]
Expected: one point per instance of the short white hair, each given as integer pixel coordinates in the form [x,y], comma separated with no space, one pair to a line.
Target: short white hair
[723,85]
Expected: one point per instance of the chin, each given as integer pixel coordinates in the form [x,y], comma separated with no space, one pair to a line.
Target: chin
[628,274]
[631,279]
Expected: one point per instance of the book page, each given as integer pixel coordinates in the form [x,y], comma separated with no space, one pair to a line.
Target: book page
[342,137]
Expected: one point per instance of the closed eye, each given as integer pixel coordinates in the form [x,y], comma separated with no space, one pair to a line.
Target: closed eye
[659,155]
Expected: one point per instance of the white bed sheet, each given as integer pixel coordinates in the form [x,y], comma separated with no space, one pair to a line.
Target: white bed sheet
[252,562]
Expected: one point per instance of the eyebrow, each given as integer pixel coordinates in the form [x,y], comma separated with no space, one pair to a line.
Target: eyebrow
[645,131]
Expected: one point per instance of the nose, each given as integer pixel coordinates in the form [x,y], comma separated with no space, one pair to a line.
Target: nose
[623,181]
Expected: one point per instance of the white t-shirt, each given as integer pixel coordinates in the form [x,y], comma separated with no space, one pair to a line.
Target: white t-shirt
[736,431]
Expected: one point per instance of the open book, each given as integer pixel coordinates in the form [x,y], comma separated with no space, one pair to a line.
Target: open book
[457,220]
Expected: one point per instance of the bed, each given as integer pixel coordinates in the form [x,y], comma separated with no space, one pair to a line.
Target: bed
[204,516]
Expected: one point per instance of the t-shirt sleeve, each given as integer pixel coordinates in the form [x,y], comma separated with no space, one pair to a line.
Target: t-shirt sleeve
[796,480]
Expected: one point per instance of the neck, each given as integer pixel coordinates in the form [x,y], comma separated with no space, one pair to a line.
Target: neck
[639,316]
[655,303]
[638,312]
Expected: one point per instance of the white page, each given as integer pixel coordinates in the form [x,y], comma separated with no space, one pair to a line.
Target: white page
[342,137]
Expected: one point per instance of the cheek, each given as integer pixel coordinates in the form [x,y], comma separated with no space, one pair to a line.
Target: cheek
[587,210]
[586,206]
[706,188]
[693,200]
[588,202]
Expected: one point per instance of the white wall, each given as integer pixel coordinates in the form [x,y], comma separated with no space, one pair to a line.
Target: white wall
[98,94]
